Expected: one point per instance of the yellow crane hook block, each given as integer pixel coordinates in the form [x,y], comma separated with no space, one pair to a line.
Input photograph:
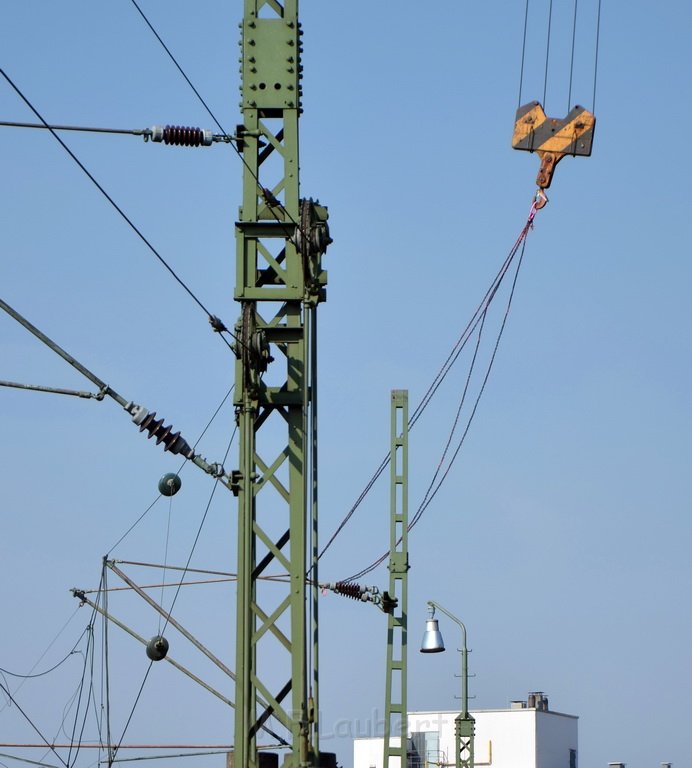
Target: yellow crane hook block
[551,138]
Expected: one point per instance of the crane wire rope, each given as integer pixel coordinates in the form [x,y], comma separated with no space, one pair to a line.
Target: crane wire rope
[571,60]
[212,318]
[430,496]
[547,51]
[460,407]
[442,373]
[523,53]
[595,69]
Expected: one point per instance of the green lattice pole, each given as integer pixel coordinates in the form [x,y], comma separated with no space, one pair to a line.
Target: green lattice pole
[396,712]
[277,284]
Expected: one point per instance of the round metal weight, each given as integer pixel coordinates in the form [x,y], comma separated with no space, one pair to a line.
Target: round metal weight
[169,484]
[157,648]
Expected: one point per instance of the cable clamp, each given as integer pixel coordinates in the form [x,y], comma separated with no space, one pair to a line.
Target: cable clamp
[217,324]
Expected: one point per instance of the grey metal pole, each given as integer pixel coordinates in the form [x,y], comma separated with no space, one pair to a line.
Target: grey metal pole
[464,724]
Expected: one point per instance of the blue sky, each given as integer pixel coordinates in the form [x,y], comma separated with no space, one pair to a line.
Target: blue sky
[562,535]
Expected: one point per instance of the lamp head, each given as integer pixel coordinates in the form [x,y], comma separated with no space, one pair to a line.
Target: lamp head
[432,638]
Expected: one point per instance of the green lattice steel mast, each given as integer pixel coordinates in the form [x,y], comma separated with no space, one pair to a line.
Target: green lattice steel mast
[279,283]
[395,707]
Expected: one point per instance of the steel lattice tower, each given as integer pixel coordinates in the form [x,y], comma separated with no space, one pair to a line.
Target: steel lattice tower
[279,283]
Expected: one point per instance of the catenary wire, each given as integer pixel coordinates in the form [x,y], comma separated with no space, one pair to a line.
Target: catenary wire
[42,656]
[47,671]
[571,60]
[122,213]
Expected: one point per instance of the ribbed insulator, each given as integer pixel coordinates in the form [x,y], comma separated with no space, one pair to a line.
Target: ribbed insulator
[171,440]
[349,589]
[183,136]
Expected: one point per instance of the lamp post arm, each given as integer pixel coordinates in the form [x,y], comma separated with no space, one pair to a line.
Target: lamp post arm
[464,657]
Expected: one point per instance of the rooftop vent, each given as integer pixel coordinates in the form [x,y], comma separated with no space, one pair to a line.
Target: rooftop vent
[538,700]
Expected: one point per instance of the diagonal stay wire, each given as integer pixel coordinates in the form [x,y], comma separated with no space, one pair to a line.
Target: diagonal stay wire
[148,509]
[122,213]
[180,69]
[430,496]
[175,597]
[248,167]
[32,724]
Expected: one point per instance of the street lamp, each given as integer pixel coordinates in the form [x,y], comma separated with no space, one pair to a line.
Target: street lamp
[464,724]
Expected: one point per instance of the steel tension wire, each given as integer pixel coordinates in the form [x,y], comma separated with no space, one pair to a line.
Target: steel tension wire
[538,202]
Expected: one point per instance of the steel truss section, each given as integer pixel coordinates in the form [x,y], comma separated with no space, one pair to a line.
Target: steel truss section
[396,710]
[279,282]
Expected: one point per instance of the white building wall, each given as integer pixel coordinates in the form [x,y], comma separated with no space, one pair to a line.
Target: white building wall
[505,738]
[556,735]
